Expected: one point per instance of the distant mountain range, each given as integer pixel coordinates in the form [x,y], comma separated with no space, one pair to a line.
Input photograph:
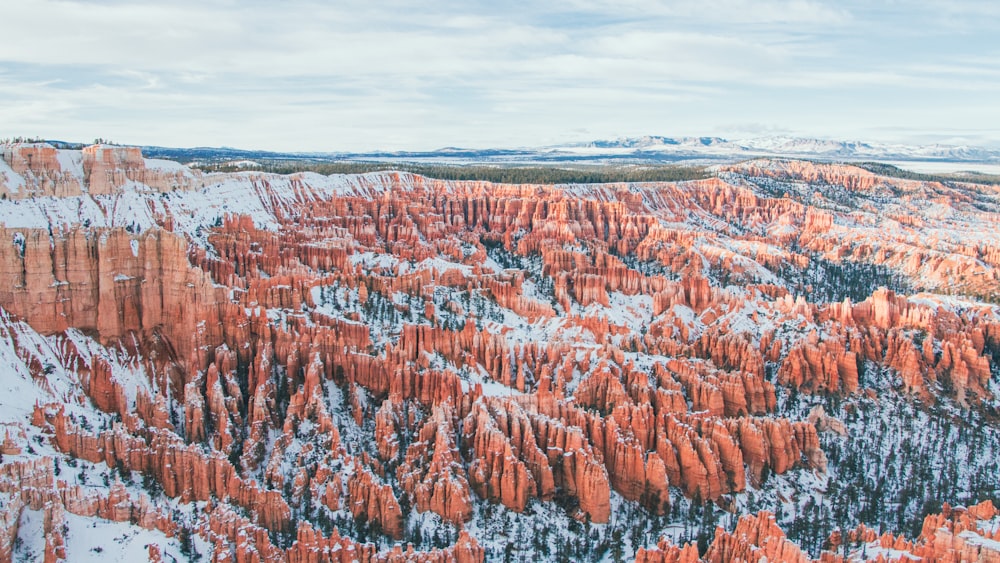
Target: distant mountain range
[716,147]
[647,149]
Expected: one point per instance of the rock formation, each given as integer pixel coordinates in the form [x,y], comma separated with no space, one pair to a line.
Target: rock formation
[953,535]
[335,363]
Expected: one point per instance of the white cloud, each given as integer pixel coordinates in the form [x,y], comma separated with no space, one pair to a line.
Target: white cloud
[724,11]
[400,75]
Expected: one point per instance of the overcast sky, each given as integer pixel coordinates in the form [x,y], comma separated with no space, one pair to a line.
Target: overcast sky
[293,75]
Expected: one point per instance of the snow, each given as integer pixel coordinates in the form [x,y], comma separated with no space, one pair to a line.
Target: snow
[441,266]
[134,205]
[167,166]
[491,265]
[39,213]
[71,163]
[372,261]
[989,527]
[13,180]
[30,543]
[632,311]
[932,158]
[242,164]
[946,167]
[17,385]
[18,240]
[20,346]
[873,550]
[972,538]
[497,389]
[94,539]
[684,313]
[952,303]
[130,207]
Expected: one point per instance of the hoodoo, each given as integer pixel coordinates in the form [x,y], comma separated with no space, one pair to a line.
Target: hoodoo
[767,363]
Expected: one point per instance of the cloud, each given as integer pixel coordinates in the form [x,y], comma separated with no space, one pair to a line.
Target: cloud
[742,12]
[399,75]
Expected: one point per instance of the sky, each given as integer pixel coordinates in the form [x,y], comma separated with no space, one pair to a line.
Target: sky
[358,76]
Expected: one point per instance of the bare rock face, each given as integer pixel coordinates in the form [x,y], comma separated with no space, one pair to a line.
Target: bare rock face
[311,547]
[577,468]
[107,168]
[111,282]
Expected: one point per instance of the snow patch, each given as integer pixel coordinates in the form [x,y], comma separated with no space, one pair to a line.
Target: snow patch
[12,180]
[71,163]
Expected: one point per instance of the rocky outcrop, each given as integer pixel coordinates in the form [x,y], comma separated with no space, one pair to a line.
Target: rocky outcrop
[665,552]
[825,423]
[111,282]
[387,422]
[33,486]
[107,168]
[432,473]
[816,366]
[235,538]
[183,471]
[755,538]
[311,547]
[850,177]
[374,501]
[40,170]
[507,464]
[956,534]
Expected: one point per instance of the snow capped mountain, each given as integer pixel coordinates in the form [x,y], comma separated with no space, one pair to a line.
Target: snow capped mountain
[820,149]
[650,148]
[655,141]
